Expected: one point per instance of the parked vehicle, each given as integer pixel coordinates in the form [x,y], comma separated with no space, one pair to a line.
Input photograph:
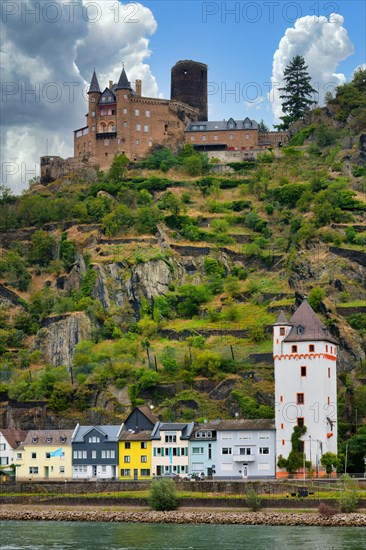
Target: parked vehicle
[194,477]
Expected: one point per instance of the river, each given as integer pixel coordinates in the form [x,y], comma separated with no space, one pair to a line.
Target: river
[38,535]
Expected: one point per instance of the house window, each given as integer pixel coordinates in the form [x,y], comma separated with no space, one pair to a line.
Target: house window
[94,439]
[282,331]
[303,371]
[104,469]
[197,450]
[144,472]
[226,451]
[137,112]
[147,114]
[34,455]
[84,454]
[33,469]
[245,451]
[62,469]
[127,445]
[127,459]
[94,454]
[311,347]
[170,439]
[2,446]
[143,445]
[48,455]
[19,456]
[294,349]
[103,99]
[143,458]
[125,472]
[299,398]
[300,421]
[264,450]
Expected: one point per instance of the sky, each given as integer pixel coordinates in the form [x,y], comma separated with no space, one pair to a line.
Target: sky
[49,49]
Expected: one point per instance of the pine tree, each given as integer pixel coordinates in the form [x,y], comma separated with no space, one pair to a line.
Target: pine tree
[297,92]
[262,126]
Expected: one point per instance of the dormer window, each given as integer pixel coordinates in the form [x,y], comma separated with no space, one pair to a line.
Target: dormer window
[300,329]
[62,439]
[49,440]
[34,439]
[103,99]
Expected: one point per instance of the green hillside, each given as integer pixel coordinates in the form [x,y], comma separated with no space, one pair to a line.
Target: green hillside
[159,282]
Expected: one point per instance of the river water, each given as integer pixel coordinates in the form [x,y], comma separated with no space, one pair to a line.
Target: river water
[38,535]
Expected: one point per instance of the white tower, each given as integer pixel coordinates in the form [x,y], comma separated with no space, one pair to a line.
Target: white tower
[305,358]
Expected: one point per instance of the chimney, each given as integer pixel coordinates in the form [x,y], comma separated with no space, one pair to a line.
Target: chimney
[138,87]
[110,84]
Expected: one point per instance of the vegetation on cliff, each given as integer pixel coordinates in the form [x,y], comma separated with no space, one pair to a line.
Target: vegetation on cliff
[159,282]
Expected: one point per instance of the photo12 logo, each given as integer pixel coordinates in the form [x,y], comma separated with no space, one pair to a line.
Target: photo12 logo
[253,12]
[23,171]
[56,11]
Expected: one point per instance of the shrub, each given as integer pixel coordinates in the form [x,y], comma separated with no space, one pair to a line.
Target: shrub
[348,499]
[316,296]
[163,495]
[252,499]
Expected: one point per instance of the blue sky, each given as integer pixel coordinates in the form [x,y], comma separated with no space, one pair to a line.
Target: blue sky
[240,47]
[46,64]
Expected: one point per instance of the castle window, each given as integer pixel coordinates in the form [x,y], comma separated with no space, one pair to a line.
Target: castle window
[283,441]
[137,142]
[231,136]
[146,128]
[137,112]
[103,112]
[326,349]
[125,96]
[311,347]
[246,136]
[110,98]
[203,138]
[138,127]
[328,400]
[93,128]
[150,143]
[106,154]
[300,329]
[328,372]
[281,426]
[165,127]
[125,111]
[215,138]
[93,99]
[106,142]
[124,124]
[281,398]
[303,371]
[148,114]
[282,331]
[192,138]
[103,99]
[294,349]
[299,398]
[93,113]
[300,421]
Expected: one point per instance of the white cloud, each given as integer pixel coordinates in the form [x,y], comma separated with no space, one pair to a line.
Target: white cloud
[46,70]
[323,43]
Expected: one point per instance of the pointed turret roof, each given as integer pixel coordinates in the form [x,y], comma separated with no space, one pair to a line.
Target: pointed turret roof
[282,319]
[94,85]
[123,83]
[306,326]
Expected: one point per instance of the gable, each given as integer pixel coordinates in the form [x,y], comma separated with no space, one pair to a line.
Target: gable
[138,421]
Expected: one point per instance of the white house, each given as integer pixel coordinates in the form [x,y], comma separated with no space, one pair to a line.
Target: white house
[170,448]
[305,358]
[9,442]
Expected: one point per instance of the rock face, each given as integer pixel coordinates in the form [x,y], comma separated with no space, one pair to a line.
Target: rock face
[59,335]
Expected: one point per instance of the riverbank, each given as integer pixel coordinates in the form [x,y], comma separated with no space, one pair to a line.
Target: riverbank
[214,517]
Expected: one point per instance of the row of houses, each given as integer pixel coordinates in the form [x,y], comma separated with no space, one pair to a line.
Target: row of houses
[142,448]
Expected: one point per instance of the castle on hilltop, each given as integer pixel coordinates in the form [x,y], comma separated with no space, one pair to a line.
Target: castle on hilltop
[121,120]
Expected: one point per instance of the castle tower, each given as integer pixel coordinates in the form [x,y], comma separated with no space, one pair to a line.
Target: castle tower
[305,359]
[94,94]
[189,85]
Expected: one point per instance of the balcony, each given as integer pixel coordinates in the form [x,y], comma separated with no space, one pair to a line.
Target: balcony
[107,135]
[243,458]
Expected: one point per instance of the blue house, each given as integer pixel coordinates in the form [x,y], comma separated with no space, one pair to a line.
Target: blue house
[95,452]
[203,449]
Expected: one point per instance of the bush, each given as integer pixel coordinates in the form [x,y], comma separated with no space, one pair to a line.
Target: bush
[163,496]
[252,499]
[348,499]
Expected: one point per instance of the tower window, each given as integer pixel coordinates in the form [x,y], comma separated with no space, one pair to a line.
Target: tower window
[137,112]
[282,331]
[283,441]
[311,347]
[281,426]
[303,371]
[299,398]
[148,114]
[300,329]
[93,99]
[300,421]
[328,372]
[294,349]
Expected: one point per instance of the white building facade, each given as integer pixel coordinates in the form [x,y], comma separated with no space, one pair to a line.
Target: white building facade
[170,448]
[305,359]
[9,442]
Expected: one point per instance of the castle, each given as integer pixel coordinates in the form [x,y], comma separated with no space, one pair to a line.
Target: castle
[121,120]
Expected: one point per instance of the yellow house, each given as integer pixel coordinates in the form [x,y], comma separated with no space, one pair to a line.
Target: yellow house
[134,446]
[45,454]
[134,451]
